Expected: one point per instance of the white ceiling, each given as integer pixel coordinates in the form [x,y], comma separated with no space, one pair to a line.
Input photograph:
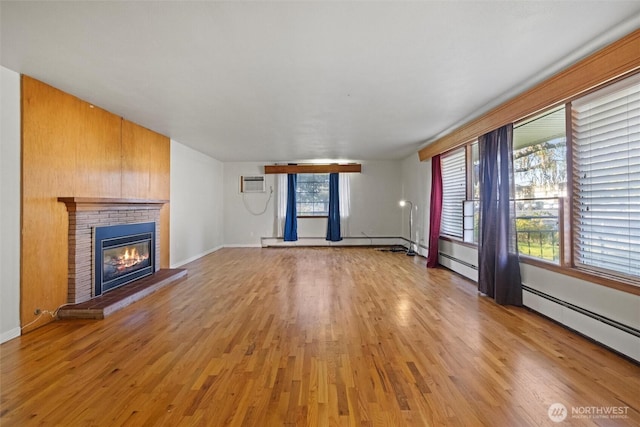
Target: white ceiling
[278,81]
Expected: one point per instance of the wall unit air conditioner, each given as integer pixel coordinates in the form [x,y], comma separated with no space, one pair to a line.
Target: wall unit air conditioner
[253,184]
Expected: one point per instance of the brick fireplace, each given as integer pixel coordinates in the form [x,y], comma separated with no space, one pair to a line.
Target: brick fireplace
[85,214]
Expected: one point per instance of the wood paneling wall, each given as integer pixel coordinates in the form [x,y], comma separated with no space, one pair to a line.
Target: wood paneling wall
[146,161]
[73,149]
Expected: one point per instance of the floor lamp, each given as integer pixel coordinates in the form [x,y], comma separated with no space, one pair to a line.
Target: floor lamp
[403,203]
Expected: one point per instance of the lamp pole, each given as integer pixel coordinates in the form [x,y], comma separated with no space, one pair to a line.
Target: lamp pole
[410,251]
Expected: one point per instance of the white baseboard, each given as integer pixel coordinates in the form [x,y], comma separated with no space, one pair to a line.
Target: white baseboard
[305,242]
[10,334]
[321,241]
[195,257]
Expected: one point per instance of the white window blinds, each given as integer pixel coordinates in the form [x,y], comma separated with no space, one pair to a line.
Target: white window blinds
[606,161]
[453,167]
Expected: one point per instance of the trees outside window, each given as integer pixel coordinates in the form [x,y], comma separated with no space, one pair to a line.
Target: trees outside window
[312,194]
[540,173]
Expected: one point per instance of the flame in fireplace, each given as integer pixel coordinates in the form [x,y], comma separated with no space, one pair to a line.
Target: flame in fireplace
[127,259]
[130,259]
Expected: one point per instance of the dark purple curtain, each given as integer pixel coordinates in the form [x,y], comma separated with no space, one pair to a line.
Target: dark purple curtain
[498,261]
[436,211]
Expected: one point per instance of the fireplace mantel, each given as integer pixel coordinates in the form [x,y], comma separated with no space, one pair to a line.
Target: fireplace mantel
[100,203]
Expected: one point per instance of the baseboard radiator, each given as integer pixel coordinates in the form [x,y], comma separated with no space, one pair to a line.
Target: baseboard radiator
[616,336]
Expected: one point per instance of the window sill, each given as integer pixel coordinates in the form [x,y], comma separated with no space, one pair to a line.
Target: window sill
[623,284]
[615,282]
[312,216]
[459,241]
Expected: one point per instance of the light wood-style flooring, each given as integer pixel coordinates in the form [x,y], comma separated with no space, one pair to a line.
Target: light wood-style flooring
[312,337]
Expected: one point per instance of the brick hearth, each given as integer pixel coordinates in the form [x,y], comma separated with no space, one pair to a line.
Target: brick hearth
[112,301]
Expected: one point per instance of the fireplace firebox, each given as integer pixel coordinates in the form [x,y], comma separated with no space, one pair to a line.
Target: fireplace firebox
[122,254]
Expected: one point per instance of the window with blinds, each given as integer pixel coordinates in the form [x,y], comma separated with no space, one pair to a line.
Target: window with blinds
[606,161]
[453,167]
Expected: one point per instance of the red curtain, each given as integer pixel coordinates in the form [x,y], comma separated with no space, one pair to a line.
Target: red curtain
[436,211]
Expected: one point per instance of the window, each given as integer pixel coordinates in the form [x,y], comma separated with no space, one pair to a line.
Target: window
[472,204]
[453,167]
[606,161]
[540,178]
[312,194]
[540,174]
[595,232]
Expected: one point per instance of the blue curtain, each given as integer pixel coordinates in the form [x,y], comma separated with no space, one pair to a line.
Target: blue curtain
[291,219]
[333,225]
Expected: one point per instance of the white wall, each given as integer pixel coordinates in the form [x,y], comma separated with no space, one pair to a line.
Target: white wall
[241,227]
[196,204]
[375,194]
[9,204]
[374,205]
[416,187]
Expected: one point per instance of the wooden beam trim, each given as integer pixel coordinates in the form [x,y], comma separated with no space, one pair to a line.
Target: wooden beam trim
[311,168]
[616,60]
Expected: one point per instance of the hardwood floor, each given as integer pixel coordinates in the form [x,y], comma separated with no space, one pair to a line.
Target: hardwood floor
[312,337]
